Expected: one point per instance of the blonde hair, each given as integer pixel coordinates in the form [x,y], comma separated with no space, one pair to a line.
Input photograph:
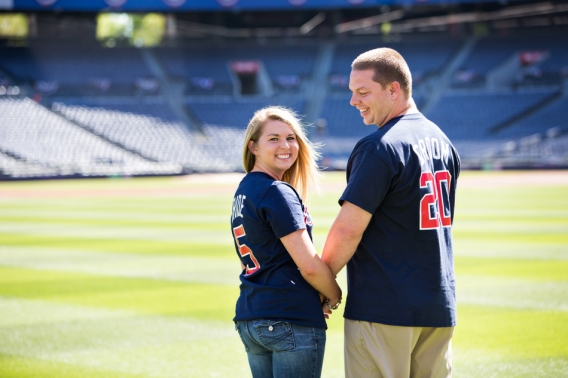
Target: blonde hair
[388,65]
[303,175]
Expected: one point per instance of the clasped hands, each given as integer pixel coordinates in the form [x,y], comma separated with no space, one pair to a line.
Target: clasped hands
[327,306]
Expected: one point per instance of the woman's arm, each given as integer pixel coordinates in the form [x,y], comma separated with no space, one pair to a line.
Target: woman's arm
[344,236]
[312,268]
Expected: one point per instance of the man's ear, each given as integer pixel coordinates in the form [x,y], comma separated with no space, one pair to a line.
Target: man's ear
[252,148]
[395,89]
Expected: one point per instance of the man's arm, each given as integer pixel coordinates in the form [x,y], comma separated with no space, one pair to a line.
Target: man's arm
[344,236]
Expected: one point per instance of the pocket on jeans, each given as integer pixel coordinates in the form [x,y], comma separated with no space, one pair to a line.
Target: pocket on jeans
[275,335]
[238,328]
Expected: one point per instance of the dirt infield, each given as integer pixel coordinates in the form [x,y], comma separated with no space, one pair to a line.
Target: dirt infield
[191,185]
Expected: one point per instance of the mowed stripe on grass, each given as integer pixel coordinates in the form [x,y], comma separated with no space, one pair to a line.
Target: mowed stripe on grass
[116,231]
[115,340]
[162,267]
[89,265]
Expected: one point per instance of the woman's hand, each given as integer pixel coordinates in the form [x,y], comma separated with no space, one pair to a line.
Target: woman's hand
[324,307]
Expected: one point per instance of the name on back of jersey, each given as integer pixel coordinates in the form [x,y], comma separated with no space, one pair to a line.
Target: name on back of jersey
[428,149]
[238,204]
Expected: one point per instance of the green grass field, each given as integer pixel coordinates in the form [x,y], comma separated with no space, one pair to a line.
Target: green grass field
[138,277]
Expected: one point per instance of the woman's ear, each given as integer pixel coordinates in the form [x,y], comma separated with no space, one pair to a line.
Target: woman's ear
[252,148]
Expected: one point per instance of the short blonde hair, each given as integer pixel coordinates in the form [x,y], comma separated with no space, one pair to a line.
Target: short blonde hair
[304,173]
[388,65]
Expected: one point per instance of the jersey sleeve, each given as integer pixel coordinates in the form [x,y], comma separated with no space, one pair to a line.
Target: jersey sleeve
[282,209]
[368,180]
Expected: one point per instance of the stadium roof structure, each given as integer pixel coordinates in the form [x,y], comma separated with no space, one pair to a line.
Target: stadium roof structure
[213,5]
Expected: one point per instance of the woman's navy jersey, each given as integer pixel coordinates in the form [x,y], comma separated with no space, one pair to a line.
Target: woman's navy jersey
[402,272]
[265,210]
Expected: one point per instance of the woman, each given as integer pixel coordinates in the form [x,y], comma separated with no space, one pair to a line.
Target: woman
[280,312]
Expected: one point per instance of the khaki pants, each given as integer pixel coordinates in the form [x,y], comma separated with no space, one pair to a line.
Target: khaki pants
[374,350]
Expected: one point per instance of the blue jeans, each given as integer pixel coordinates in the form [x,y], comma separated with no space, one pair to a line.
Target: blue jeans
[282,350]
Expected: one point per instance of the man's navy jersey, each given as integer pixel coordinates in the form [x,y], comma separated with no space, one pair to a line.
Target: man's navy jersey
[265,210]
[402,272]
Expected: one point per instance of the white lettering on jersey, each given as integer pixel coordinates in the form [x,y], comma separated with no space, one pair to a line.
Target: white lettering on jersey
[445,147]
[238,203]
[418,153]
[435,148]
[431,148]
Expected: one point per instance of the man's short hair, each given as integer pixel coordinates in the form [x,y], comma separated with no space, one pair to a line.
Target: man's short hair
[388,65]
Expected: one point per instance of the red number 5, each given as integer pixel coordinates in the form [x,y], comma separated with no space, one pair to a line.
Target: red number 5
[434,206]
[239,232]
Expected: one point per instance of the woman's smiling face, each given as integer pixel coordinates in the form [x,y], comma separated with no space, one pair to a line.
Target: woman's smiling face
[276,149]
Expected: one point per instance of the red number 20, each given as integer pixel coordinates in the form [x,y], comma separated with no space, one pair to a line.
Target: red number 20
[432,209]
[239,232]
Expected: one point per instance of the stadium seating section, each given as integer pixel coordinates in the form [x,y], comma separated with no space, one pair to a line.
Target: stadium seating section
[489,53]
[81,111]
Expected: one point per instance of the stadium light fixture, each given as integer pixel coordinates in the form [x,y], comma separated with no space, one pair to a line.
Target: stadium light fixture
[509,12]
[312,23]
[369,21]
[213,29]
[401,26]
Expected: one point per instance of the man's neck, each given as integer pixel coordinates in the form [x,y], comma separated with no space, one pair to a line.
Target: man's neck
[409,107]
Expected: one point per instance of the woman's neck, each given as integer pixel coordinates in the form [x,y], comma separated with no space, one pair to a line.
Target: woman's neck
[259,168]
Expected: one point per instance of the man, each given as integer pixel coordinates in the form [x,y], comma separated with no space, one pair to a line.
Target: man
[394,230]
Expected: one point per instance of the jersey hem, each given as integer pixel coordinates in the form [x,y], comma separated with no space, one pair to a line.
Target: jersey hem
[401,324]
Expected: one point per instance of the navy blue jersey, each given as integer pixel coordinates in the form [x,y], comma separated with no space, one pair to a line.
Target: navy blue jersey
[402,272]
[265,210]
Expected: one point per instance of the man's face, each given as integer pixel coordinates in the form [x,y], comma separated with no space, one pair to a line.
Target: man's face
[373,101]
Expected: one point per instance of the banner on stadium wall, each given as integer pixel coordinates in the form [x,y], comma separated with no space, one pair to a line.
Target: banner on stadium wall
[288,81]
[206,83]
[47,86]
[190,5]
[297,3]
[174,3]
[245,67]
[101,84]
[115,3]
[527,58]
[147,85]
[207,5]
[228,3]
[46,3]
